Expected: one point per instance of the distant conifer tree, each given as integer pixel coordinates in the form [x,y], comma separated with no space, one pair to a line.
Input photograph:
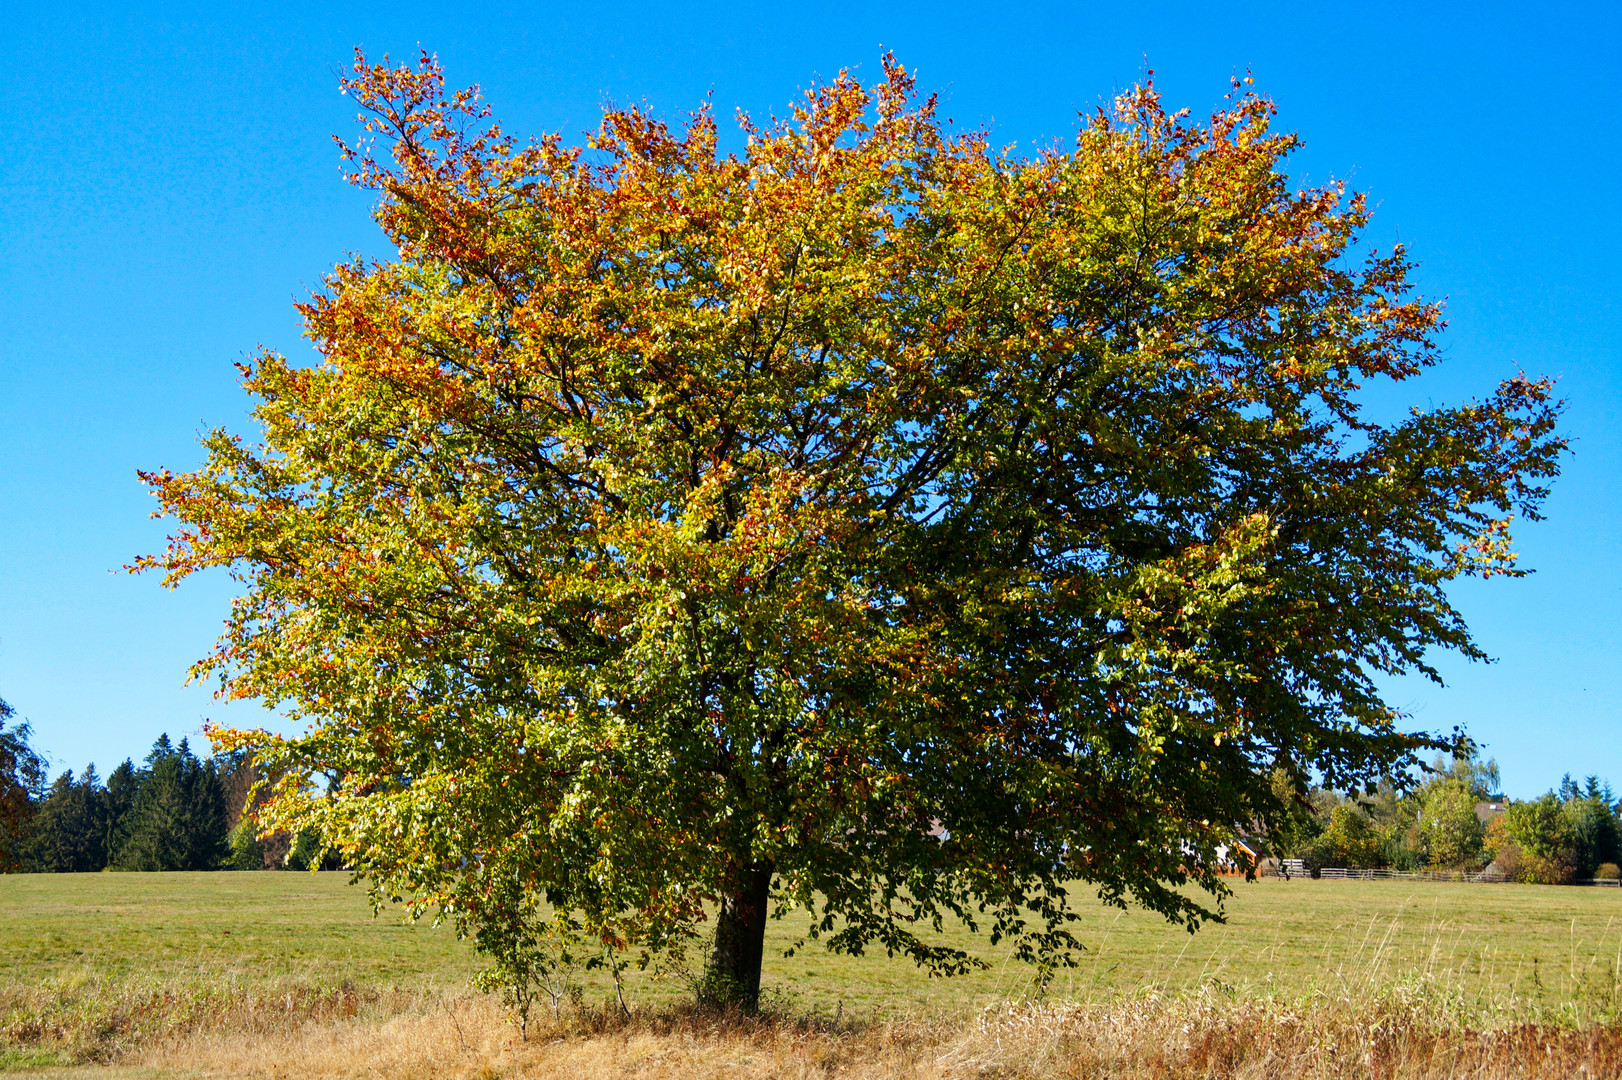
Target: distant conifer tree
[70,830]
[178,819]
[119,798]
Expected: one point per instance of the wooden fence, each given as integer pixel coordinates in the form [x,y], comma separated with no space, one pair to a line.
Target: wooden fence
[1294,868]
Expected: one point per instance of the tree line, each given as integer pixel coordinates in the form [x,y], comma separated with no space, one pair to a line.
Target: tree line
[180,812]
[1458,819]
[175,811]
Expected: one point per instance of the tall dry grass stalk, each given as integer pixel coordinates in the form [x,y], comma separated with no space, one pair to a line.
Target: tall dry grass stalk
[82,1018]
[333,1032]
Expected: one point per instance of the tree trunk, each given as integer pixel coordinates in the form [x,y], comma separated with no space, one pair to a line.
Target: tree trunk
[732,976]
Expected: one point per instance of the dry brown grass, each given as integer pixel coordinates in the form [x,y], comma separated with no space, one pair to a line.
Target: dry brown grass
[339,1032]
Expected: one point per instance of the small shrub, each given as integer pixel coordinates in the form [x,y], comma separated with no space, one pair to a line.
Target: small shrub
[531,959]
[247,853]
[1607,870]
[1508,860]
[1544,870]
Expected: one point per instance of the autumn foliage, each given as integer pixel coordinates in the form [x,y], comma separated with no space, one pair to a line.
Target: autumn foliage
[867,520]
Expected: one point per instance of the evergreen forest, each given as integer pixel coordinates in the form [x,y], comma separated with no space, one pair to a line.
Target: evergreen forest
[174,811]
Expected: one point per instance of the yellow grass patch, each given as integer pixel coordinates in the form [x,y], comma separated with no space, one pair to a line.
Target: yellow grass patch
[468,1038]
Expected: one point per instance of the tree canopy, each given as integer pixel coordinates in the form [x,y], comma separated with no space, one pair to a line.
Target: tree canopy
[867,520]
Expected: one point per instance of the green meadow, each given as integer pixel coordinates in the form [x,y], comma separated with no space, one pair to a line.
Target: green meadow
[1507,947]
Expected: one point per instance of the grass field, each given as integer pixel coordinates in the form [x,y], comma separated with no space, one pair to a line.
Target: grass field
[257,926]
[107,967]
[1541,946]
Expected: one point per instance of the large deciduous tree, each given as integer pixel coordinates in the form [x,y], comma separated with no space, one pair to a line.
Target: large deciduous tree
[865,520]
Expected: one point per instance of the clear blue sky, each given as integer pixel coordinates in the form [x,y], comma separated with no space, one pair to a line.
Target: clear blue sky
[169,188]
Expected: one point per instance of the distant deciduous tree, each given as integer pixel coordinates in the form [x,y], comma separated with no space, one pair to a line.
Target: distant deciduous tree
[240,778]
[1349,839]
[1453,834]
[1595,833]
[677,534]
[247,851]
[1542,832]
[22,773]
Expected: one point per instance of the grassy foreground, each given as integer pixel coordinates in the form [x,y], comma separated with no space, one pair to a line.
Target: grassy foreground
[283,974]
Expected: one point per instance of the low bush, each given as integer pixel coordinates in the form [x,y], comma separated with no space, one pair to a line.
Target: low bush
[1545,870]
